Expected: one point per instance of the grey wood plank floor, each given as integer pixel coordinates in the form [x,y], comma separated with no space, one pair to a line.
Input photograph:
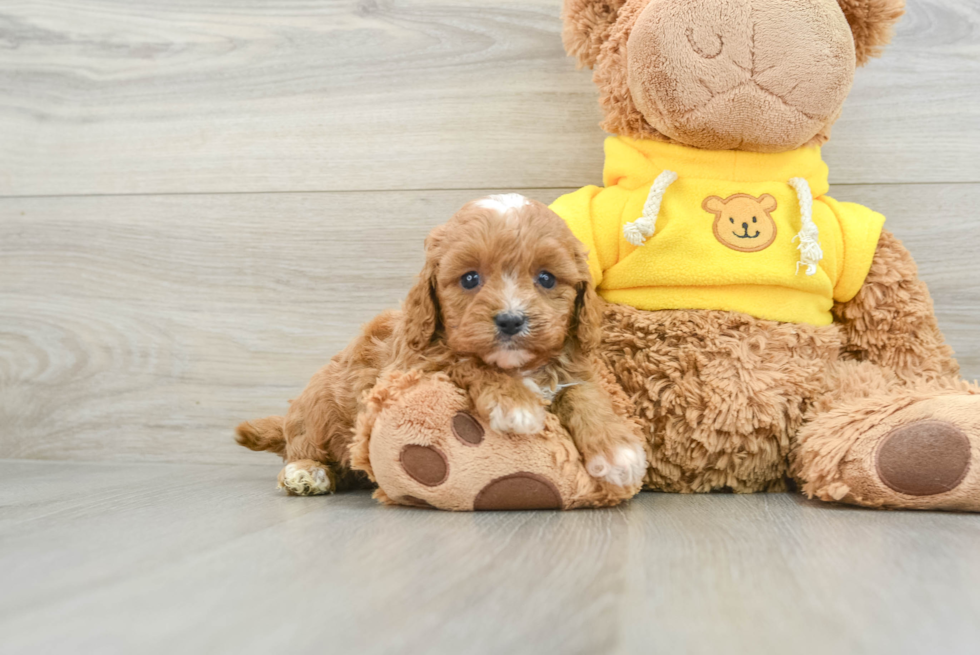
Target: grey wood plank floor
[151,558]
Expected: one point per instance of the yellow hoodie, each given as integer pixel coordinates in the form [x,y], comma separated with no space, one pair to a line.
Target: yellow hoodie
[732,231]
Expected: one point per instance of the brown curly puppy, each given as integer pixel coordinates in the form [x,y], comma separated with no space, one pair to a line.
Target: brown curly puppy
[506,308]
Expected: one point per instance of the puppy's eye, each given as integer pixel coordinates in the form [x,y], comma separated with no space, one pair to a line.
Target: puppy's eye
[546,280]
[470,280]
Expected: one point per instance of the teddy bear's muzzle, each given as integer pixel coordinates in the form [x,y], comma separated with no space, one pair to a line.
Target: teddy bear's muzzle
[761,75]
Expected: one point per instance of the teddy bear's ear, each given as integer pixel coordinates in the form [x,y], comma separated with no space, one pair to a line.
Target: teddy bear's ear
[871,24]
[587,25]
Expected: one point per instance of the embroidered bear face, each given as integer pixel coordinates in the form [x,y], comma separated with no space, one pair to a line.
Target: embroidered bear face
[743,222]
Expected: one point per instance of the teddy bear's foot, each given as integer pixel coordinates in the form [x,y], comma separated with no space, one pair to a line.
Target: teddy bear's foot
[426,448]
[911,453]
[305,477]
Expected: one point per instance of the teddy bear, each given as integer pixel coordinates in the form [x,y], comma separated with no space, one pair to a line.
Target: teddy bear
[763,334]
[764,331]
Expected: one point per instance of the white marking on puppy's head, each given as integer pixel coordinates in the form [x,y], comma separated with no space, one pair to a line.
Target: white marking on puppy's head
[502,203]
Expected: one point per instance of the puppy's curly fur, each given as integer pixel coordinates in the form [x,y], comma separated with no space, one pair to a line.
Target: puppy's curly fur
[500,256]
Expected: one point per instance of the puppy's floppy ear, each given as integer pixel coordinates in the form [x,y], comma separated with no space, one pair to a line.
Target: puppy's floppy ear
[586,327]
[587,24]
[587,324]
[871,24]
[421,306]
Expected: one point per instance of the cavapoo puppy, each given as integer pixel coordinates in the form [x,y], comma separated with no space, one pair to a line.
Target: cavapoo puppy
[506,308]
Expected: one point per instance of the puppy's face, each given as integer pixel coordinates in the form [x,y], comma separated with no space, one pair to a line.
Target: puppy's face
[509,282]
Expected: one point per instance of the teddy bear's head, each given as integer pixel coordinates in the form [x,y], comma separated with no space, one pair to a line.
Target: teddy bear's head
[759,75]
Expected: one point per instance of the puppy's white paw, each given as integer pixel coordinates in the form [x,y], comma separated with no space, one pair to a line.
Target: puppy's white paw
[625,466]
[517,420]
[305,480]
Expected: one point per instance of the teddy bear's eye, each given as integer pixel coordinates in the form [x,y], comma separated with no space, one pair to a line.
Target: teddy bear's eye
[753,219]
[732,220]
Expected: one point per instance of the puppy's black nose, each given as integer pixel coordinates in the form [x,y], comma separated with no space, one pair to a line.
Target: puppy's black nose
[510,324]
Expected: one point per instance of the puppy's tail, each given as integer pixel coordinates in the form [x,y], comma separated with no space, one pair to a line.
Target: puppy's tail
[262,434]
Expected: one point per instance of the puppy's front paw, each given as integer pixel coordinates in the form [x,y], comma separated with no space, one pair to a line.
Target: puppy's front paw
[623,466]
[517,419]
[305,478]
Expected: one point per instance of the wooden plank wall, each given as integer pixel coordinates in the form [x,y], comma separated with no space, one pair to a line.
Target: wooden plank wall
[201,201]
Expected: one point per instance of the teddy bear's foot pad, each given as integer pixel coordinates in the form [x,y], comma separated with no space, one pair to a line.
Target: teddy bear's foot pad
[518,491]
[924,458]
[426,464]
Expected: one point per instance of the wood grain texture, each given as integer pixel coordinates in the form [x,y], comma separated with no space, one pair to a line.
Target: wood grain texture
[204,559]
[115,96]
[146,327]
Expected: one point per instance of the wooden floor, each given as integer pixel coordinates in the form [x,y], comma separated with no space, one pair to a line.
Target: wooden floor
[164,558]
[200,201]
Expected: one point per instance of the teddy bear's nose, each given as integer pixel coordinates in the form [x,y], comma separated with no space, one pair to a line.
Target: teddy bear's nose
[745,226]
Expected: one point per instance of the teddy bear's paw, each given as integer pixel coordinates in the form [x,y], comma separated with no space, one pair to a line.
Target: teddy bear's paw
[306,478]
[517,419]
[914,455]
[432,448]
[623,466]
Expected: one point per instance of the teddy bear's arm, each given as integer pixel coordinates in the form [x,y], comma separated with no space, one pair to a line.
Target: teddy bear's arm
[891,322]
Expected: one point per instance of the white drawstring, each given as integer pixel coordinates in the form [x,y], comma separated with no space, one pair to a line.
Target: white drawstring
[809,234]
[638,231]
[643,228]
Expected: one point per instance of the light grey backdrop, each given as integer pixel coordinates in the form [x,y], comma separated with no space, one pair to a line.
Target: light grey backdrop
[201,201]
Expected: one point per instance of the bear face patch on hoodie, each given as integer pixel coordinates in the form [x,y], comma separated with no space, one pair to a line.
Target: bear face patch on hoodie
[680,228]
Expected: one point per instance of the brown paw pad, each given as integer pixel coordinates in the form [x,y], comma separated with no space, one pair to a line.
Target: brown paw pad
[518,491]
[923,458]
[427,465]
[412,501]
[467,429]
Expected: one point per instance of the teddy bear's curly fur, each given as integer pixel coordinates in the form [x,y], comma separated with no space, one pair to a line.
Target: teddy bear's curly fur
[868,410]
